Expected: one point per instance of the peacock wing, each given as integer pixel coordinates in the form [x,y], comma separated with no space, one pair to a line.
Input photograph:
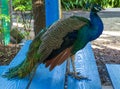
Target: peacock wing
[57,41]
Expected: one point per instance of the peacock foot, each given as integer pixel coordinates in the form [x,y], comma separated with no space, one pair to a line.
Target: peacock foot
[77,76]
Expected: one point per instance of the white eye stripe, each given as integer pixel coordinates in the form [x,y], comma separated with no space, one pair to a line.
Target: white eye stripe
[96,8]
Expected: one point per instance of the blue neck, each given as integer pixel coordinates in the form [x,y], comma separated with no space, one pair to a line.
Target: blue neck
[96,25]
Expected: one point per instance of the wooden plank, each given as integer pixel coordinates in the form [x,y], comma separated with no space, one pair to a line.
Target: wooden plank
[52,8]
[2,68]
[86,65]
[44,79]
[16,83]
[114,74]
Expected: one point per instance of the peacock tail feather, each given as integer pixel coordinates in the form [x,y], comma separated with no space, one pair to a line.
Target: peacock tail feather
[32,58]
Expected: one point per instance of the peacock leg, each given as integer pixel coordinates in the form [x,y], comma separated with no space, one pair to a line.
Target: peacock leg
[32,75]
[74,73]
[68,66]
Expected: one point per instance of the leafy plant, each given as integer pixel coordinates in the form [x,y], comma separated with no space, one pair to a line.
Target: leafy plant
[5,18]
[80,4]
[21,7]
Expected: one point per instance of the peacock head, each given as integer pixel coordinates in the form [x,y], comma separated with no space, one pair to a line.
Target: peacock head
[96,8]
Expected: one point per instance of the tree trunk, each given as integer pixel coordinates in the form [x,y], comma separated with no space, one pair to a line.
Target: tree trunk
[39,15]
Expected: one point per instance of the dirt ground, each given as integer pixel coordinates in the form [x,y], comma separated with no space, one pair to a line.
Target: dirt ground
[7,53]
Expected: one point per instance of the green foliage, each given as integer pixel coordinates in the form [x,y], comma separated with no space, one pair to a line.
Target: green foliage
[5,17]
[22,5]
[80,4]
[72,4]
[25,19]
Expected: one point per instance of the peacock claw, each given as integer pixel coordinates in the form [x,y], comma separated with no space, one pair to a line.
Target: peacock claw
[76,76]
[72,73]
[79,77]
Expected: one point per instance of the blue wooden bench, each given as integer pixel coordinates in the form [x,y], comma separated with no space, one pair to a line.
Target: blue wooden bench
[2,68]
[56,79]
[114,74]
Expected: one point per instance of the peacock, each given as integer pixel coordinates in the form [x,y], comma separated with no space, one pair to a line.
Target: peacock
[55,44]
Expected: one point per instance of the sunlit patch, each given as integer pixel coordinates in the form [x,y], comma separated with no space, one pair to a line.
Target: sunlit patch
[96,47]
[112,33]
[103,40]
[112,47]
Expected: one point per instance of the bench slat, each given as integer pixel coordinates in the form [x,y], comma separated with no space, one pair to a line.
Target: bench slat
[114,74]
[2,68]
[16,83]
[44,79]
[86,65]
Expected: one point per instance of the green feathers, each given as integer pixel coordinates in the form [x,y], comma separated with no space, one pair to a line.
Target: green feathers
[32,58]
